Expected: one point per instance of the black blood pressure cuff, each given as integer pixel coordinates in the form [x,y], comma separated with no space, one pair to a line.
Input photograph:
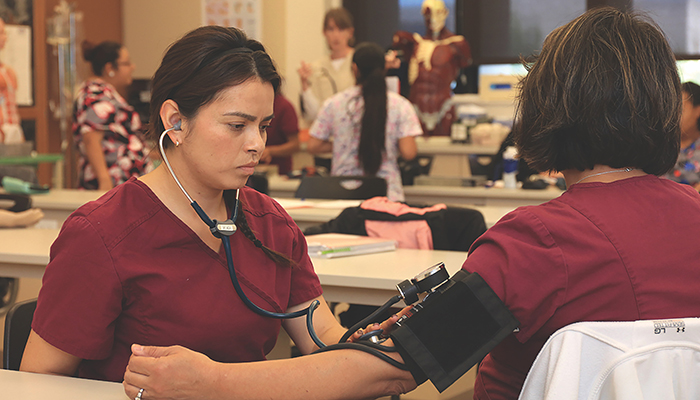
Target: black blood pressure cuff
[455,329]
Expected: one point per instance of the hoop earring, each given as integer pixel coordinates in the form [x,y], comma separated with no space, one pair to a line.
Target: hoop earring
[177,143]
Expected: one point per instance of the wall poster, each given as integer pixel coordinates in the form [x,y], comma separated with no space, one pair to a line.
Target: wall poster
[242,14]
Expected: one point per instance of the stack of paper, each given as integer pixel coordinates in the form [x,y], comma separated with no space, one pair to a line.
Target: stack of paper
[331,245]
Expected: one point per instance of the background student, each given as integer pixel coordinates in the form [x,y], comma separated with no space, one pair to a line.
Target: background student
[282,136]
[687,168]
[330,74]
[106,129]
[367,127]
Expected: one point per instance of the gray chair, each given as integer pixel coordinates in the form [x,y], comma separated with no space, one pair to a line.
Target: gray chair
[18,324]
[10,286]
[341,187]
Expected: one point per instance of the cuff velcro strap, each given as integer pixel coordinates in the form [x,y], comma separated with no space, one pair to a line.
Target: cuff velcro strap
[456,328]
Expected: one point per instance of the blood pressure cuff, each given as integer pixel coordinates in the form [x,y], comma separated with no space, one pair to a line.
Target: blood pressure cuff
[454,331]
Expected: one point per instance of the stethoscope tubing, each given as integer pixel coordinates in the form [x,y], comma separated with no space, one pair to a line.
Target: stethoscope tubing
[309,311]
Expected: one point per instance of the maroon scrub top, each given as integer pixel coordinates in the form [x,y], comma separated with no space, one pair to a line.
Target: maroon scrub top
[125,270]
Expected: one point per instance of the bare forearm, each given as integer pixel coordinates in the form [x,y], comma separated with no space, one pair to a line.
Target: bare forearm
[408,148]
[42,357]
[317,146]
[341,374]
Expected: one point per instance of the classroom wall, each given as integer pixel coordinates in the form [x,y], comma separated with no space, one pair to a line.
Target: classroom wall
[291,31]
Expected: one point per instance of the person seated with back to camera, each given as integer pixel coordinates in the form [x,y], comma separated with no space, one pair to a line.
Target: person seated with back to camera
[367,127]
[687,168]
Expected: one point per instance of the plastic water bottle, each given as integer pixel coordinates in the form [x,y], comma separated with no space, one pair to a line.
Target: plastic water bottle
[510,167]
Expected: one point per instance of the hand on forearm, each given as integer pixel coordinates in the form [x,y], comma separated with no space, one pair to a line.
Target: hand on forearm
[169,373]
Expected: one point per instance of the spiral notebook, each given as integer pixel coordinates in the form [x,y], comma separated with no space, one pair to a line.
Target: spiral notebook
[332,245]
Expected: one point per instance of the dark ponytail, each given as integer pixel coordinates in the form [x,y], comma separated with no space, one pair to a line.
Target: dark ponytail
[99,55]
[369,58]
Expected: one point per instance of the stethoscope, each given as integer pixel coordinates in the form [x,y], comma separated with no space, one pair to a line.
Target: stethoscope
[327,74]
[224,229]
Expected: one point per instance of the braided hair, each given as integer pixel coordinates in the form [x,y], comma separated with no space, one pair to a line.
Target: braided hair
[273,255]
[244,228]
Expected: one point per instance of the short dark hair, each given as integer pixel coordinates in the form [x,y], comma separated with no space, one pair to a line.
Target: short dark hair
[343,20]
[693,91]
[603,90]
[341,16]
[196,68]
[99,55]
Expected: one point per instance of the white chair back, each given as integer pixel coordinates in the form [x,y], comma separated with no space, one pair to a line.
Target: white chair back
[639,360]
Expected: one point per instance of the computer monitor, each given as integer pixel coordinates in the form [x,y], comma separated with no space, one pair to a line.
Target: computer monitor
[499,81]
[689,70]
[502,69]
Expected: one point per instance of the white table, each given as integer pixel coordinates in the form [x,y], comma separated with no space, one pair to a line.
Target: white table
[24,252]
[442,145]
[372,278]
[365,279]
[450,195]
[479,196]
[58,204]
[16,385]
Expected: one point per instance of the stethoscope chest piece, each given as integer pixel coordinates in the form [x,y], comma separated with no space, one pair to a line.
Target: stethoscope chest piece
[223,228]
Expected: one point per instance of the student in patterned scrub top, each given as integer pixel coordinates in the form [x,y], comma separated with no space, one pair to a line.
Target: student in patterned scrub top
[106,129]
[687,168]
